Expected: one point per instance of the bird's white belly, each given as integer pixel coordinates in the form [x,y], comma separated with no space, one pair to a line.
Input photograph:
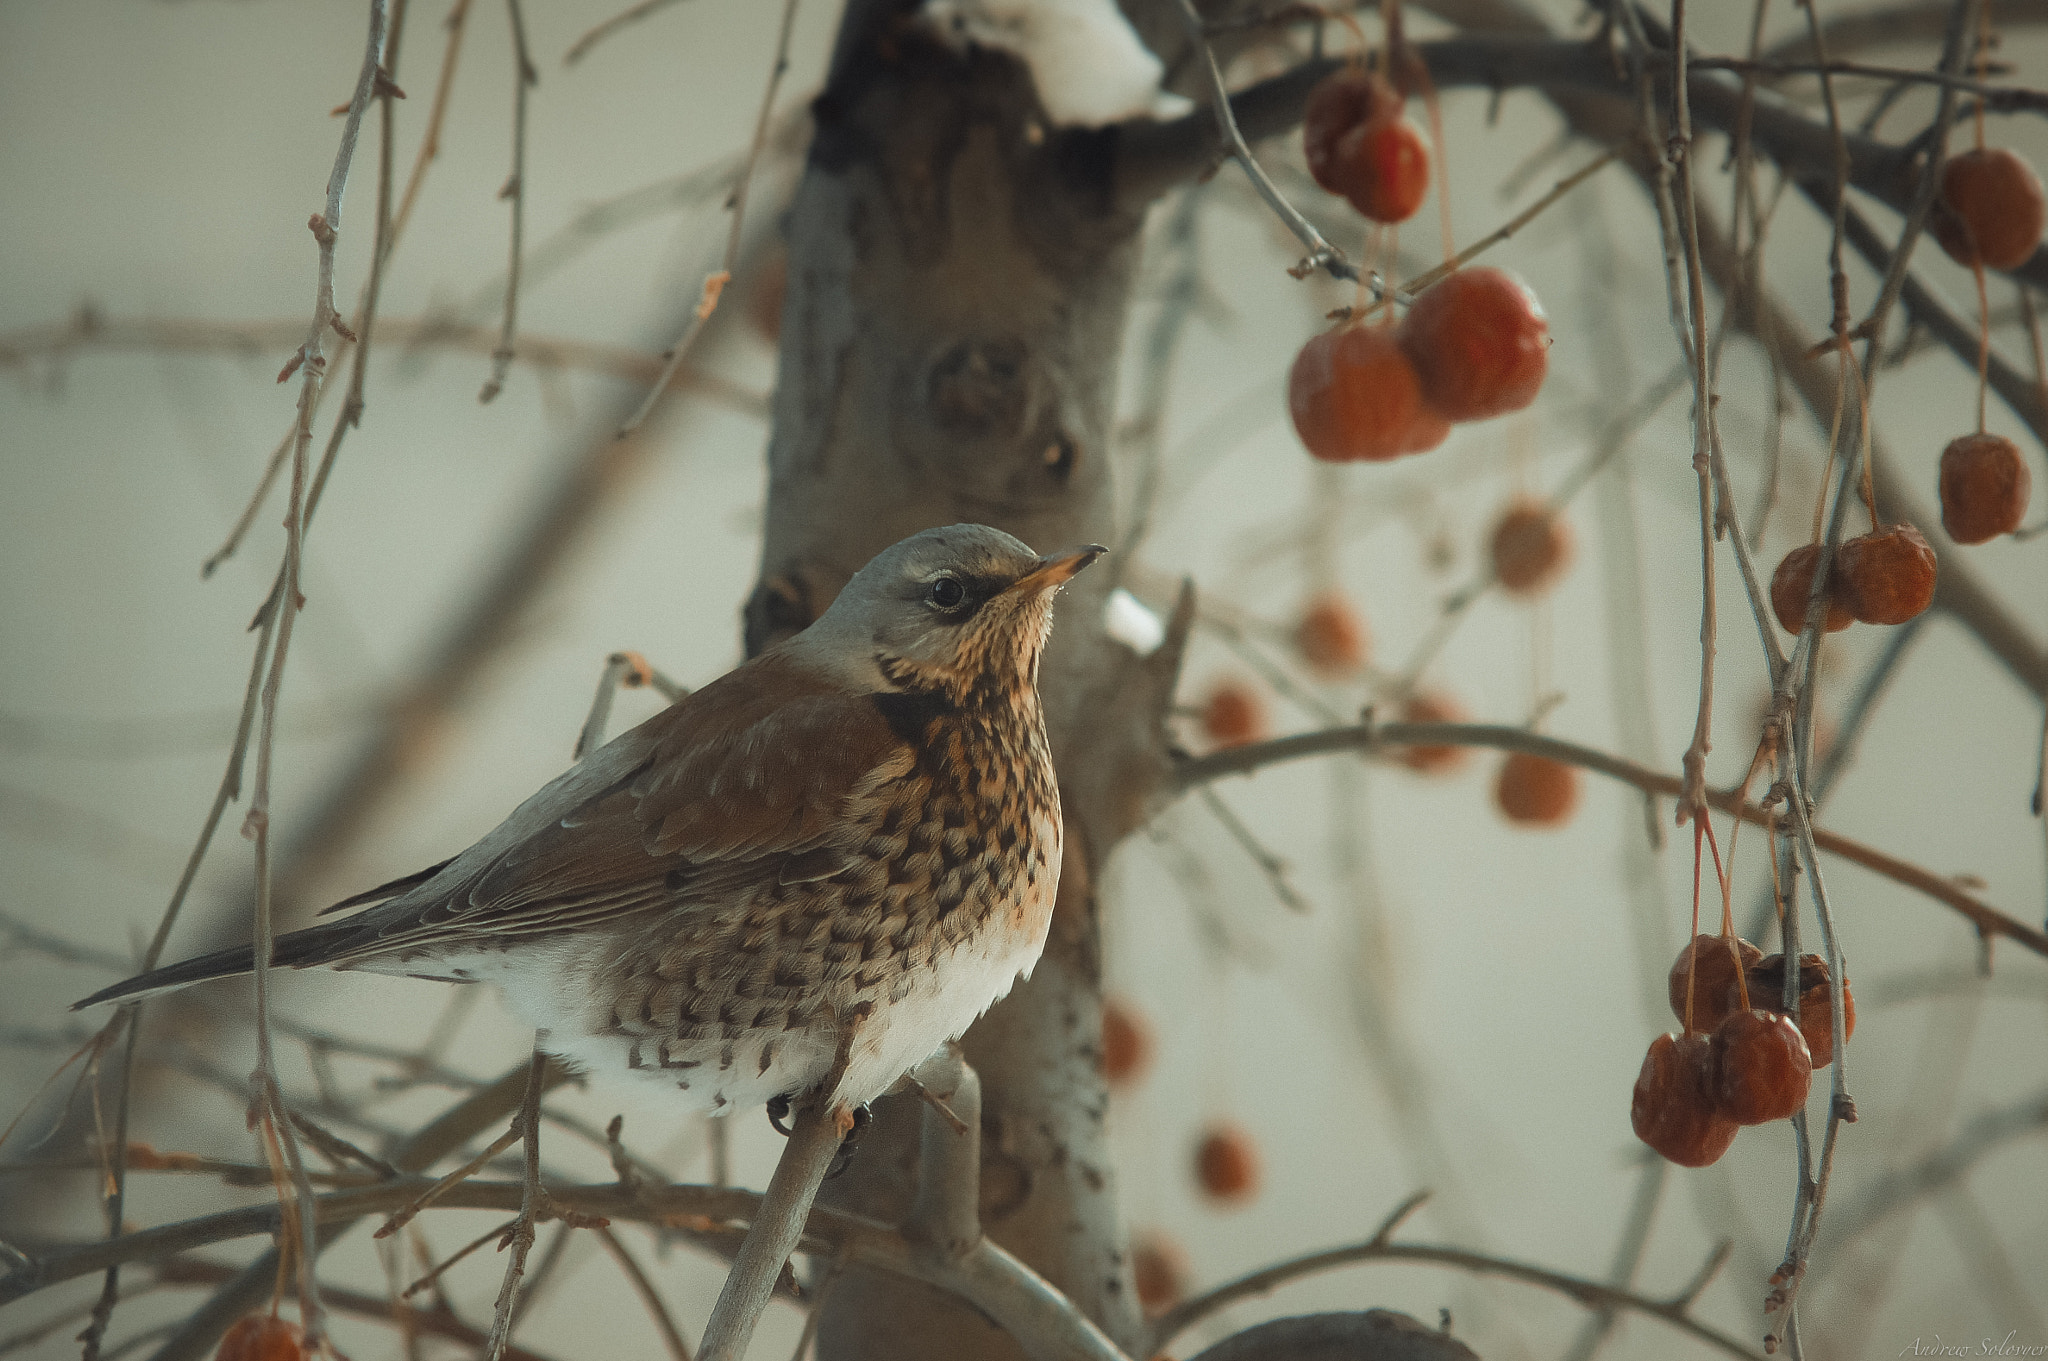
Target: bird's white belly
[551,984]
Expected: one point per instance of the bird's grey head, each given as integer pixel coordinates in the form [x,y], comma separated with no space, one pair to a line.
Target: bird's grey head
[956,607]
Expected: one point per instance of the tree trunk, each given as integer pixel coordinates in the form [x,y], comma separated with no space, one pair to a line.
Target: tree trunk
[958,281]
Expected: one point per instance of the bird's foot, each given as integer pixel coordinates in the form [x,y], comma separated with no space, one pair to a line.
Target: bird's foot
[843,1159]
[778,1116]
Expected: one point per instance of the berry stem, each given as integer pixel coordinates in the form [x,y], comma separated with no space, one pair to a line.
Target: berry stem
[1983,332]
[1863,422]
[1827,466]
[1692,973]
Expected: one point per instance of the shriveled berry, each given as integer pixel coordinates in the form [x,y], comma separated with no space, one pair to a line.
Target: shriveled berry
[1332,637]
[1816,1017]
[1354,396]
[1984,488]
[1384,163]
[1126,1042]
[1762,1068]
[1227,1163]
[1887,575]
[1714,995]
[1345,99]
[262,1337]
[1428,758]
[1531,547]
[1992,208]
[1536,791]
[1673,1109]
[1159,1268]
[1479,340]
[1792,586]
[1233,715]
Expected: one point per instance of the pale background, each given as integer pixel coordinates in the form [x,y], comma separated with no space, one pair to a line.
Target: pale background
[160,161]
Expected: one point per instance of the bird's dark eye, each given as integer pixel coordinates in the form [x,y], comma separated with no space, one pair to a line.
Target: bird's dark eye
[947,593]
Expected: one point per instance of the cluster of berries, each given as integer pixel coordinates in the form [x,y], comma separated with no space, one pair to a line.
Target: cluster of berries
[1739,1060]
[1362,146]
[1883,577]
[1475,345]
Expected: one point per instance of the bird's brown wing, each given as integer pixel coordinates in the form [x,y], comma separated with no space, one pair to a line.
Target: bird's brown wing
[765,769]
[746,779]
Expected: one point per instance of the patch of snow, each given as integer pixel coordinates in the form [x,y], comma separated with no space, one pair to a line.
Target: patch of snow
[1085,58]
[1128,620]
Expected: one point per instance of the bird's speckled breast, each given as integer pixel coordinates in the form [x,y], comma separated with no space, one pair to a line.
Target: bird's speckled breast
[944,895]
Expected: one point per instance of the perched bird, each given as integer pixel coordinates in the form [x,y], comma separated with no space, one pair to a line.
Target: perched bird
[857,828]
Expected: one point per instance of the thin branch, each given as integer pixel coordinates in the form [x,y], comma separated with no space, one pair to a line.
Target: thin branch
[664,1323]
[1589,1294]
[90,331]
[1628,1254]
[524,78]
[1321,254]
[1982,1136]
[989,1278]
[532,1202]
[1270,865]
[1995,98]
[714,284]
[440,1321]
[946,1213]
[457,25]
[1678,150]
[821,1126]
[1502,233]
[1384,738]
[478,1110]
[625,18]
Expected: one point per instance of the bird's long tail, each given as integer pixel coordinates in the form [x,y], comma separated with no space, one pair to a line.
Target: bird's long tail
[294,950]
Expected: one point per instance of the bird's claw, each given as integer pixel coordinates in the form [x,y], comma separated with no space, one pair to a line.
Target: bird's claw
[843,1159]
[778,1115]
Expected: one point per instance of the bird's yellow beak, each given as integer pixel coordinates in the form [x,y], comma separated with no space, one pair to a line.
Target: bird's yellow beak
[1055,570]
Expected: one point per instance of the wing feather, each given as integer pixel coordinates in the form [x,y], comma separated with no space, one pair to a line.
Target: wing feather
[744,781]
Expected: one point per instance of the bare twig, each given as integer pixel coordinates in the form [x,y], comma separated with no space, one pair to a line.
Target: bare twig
[627,669]
[947,1211]
[1504,232]
[461,1174]
[1678,150]
[524,78]
[194,335]
[989,1278]
[821,1125]
[475,1112]
[1590,1294]
[1628,1255]
[1321,254]
[625,18]
[1909,1185]
[1270,865]
[715,284]
[1378,737]
[532,1202]
[664,1323]
[1995,98]
[457,25]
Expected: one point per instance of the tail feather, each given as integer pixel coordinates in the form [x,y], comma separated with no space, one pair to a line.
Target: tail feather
[296,950]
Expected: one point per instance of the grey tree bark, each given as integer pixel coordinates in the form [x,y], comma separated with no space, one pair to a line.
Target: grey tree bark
[959,276]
